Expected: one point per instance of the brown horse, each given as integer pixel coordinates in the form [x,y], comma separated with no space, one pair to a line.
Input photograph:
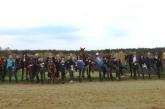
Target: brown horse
[52,72]
[1,68]
[87,59]
[29,72]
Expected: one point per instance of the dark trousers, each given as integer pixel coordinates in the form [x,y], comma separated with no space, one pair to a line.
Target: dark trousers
[42,74]
[158,68]
[62,74]
[35,73]
[89,72]
[1,74]
[101,73]
[135,70]
[118,72]
[4,70]
[110,73]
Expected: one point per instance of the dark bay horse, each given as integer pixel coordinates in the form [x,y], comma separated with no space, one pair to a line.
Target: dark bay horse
[100,65]
[88,60]
[52,72]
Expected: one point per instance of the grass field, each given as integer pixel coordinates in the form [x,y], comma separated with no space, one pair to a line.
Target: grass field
[94,75]
[132,94]
[125,94]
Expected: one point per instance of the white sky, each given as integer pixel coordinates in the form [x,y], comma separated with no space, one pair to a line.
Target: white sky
[94,24]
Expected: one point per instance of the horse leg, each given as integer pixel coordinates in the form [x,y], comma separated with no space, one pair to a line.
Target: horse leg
[4,74]
[27,74]
[143,71]
[37,76]
[131,70]
[89,72]
[54,77]
[22,73]
[149,74]
[49,77]
[134,72]
[30,76]
[137,70]
[42,76]
[110,74]
[0,75]
[158,71]
[57,74]
[104,72]
[118,73]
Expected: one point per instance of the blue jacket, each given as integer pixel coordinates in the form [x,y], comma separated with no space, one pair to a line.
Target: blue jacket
[80,64]
[10,63]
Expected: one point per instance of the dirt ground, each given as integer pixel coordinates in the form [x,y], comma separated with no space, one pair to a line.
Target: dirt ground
[133,94]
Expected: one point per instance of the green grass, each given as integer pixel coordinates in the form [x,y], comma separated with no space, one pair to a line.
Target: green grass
[94,75]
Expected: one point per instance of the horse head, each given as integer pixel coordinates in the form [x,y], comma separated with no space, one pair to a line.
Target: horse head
[82,53]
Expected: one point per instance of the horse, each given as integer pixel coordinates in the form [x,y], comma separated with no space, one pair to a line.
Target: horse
[89,68]
[129,61]
[52,72]
[88,63]
[101,66]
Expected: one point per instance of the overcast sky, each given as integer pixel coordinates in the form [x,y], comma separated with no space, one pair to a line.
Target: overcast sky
[71,24]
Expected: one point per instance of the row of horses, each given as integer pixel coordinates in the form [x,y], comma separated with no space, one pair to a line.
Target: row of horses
[33,67]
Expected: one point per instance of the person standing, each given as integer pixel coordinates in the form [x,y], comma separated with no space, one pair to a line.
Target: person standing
[80,65]
[10,67]
[1,68]
[158,63]
[62,68]
[71,64]
[100,63]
